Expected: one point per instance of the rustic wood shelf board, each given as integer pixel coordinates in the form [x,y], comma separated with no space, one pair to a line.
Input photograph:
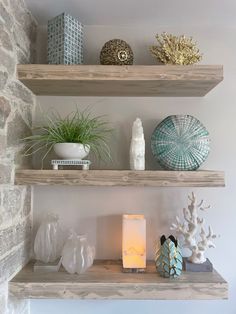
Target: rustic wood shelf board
[136,80]
[121,178]
[105,280]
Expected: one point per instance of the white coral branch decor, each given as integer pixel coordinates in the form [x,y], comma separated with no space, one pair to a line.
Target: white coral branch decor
[192,229]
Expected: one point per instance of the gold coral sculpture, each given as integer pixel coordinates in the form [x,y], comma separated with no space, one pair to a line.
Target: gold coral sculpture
[173,49]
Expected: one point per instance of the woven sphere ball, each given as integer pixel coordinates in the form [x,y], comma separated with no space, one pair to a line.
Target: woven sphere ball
[116,52]
[180,142]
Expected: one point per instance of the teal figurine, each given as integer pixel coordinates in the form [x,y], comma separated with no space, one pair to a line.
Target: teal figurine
[169,261]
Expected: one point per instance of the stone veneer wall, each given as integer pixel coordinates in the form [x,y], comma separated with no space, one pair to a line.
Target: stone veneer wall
[17,39]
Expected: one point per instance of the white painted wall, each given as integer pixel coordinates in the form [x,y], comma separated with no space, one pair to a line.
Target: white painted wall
[97,211]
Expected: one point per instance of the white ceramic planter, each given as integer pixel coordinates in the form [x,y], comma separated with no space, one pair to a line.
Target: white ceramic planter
[71,150]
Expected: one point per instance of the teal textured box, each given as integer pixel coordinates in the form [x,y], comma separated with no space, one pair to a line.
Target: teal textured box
[65,40]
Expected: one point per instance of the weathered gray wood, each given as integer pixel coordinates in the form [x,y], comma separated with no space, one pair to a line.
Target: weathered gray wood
[136,80]
[121,178]
[105,280]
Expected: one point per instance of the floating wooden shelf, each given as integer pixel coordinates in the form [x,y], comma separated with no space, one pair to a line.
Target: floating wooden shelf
[136,80]
[121,178]
[105,280]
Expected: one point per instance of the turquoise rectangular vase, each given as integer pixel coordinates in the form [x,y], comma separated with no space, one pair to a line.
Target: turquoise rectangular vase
[65,40]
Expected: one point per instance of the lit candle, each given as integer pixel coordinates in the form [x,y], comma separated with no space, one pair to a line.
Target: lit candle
[134,242]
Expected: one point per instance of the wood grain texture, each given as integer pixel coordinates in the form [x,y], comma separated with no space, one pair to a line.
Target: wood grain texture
[105,280]
[121,178]
[136,80]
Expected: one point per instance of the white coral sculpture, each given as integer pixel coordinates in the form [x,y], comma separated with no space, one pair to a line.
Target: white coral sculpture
[192,229]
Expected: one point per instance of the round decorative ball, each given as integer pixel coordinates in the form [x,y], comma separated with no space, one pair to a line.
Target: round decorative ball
[180,142]
[116,52]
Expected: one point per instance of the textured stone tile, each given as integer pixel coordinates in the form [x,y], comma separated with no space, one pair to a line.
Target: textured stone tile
[8,157]
[8,61]
[5,40]
[5,174]
[19,10]
[18,90]
[15,235]
[12,203]
[15,206]
[17,129]
[3,298]
[6,2]
[5,110]
[3,79]
[2,145]
[22,41]
[17,44]
[15,260]
[25,19]
[5,16]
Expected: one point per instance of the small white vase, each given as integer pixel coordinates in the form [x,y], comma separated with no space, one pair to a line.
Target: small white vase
[48,241]
[77,255]
[71,150]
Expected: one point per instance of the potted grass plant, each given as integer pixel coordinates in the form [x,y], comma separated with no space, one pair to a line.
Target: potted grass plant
[72,137]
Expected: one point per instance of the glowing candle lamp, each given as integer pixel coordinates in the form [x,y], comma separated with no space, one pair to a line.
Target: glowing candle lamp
[134,243]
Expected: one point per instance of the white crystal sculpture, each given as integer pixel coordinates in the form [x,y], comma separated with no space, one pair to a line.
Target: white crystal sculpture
[137,147]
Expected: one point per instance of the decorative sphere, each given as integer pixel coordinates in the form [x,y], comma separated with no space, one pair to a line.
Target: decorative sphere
[180,142]
[116,52]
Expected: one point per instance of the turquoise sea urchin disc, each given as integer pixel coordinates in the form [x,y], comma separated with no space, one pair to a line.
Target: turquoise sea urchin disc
[180,142]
